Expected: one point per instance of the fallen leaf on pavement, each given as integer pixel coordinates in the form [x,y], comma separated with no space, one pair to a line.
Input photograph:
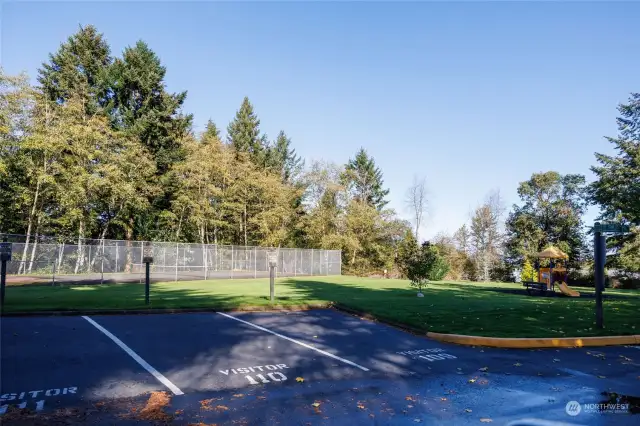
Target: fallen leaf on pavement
[472,380]
[417,420]
[602,377]
[154,408]
[372,415]
[238,395]
[517,364]
[408,398]
[556,360]
[486,420]
[483,369]
[299,379]
[316,404]
[409,406]
[443,399]
[468,410]
[221,408]
[360,406]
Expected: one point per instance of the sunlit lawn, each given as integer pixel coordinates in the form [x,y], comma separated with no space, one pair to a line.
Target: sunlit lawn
[448,307]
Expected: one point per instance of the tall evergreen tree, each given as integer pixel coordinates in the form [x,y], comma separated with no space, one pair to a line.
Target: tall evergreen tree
[142,107]
[617,188]
[243,133]
[210,133]
[284,160]
[78,69]
[364,180]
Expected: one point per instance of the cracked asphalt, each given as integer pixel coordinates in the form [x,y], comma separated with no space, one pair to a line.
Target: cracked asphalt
[318,367]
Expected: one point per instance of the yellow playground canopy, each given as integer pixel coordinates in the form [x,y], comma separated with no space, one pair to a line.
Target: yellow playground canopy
[552,253]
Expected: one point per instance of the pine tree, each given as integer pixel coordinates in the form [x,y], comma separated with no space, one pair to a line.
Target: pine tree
[144,109]
[364,180]
[617,188]
[283,158]
[78,69]
[243,133]
[210,133]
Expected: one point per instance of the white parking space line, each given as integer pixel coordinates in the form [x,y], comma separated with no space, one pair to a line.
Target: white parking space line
[155,373]
[346,361]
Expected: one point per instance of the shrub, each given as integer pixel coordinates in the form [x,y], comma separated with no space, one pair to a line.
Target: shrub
[439,269]
[528,273]
[424,265]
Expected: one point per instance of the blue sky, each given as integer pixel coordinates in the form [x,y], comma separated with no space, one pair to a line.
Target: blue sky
[475,96]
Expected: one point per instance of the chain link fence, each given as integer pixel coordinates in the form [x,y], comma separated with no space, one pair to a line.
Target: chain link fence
[45,260]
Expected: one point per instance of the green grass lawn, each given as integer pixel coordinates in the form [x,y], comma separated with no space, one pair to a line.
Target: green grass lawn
[485,309]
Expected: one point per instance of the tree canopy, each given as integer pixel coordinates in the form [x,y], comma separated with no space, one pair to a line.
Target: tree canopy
[100,148]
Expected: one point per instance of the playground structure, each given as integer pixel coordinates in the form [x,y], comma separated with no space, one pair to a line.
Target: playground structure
[556,272]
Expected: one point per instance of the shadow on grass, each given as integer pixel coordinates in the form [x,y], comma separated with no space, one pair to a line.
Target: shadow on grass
[464,309]
[119,297]
[523,292]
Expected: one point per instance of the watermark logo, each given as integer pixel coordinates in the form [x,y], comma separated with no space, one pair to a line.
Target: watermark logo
[573,408]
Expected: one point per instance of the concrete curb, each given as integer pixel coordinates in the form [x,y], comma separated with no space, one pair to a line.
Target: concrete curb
[547,342]
[150,311]
[502,342]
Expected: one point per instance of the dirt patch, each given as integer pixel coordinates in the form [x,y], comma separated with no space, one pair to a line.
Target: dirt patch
[26,279]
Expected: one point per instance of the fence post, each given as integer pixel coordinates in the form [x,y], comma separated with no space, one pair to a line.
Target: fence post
[311,262]
[117,250]
[55,262]
[326,257]
[177,251]
[255,262]
[205,258]
[102,264]
[232,261]
[295,256]
[89,258]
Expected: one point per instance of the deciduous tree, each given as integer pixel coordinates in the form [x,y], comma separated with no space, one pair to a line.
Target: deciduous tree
[416,202]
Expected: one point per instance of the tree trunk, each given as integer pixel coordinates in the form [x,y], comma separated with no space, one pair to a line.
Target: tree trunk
[60,256]
[245,225]
[35,245]
[80,259]
[129,237]
[179,225]
[23,264]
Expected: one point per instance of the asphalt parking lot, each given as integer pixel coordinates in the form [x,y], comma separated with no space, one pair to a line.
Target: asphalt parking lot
[309,367]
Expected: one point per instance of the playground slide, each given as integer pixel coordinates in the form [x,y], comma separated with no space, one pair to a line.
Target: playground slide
[564,289]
